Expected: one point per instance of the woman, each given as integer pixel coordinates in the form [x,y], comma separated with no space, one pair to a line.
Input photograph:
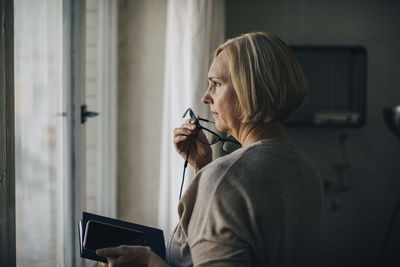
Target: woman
[260,205]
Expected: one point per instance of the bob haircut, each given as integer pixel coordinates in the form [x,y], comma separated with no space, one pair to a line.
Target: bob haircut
[268,79]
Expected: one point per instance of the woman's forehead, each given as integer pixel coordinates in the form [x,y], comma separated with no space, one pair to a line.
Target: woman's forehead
[219,67]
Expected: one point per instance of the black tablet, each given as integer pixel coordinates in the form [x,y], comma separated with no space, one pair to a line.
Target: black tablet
[102,235]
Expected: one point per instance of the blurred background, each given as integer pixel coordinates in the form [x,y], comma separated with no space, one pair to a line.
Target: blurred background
[100,85]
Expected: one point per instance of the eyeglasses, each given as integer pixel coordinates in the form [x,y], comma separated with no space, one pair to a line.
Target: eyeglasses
[213,138]
[228,145]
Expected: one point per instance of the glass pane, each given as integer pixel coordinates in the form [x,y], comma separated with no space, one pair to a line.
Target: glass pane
[100,96]
[39,129]
[93,99]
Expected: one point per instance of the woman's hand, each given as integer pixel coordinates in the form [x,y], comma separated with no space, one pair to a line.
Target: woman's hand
[124,256]
[200,153]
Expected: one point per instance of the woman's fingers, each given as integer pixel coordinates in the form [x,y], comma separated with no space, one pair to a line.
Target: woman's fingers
[189,126]
[123,256]
[110,252]
[182,131]
[189,133]
[185,129]
[182,143]
[181,136]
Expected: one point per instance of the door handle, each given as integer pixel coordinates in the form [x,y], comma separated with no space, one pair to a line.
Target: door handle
[87,114]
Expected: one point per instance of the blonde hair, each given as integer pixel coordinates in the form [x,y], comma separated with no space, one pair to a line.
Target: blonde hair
[266,75]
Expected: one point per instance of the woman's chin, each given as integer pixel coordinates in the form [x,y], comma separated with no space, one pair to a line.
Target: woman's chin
[220,126]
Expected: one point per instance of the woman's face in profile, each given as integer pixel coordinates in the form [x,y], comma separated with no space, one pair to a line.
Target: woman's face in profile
[221,96]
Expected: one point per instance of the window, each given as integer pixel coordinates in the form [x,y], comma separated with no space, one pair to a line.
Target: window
[50,193]
[39,132]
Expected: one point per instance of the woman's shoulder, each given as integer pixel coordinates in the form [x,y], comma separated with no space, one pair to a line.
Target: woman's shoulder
[256,155]
[264,162]
[229,168]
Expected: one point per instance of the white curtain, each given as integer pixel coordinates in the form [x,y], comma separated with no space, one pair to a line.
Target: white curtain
[195,28]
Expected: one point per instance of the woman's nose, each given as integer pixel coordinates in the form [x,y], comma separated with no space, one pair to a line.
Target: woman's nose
[206,98]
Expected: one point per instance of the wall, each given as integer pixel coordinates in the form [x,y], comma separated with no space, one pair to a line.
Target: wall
[351,236]
[141,45]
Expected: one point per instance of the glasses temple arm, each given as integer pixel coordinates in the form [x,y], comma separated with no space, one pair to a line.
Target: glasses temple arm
[201,119]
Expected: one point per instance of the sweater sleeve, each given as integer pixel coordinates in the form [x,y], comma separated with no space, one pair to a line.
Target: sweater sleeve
[221,232]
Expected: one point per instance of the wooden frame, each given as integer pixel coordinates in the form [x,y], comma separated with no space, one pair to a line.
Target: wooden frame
[7,161]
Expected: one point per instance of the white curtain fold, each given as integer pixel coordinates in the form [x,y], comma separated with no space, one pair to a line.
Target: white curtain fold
[194,30]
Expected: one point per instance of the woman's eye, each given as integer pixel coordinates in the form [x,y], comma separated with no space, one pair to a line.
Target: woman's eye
[217,84]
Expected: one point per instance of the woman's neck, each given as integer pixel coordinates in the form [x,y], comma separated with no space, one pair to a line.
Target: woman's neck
[250,133]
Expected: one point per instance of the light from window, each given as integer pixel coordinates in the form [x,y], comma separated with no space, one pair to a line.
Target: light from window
[39,129]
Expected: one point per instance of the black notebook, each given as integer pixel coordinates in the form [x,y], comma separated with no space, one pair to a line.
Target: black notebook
[97,231]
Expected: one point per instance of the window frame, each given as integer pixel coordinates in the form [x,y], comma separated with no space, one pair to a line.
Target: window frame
[7,161]
[74,84]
